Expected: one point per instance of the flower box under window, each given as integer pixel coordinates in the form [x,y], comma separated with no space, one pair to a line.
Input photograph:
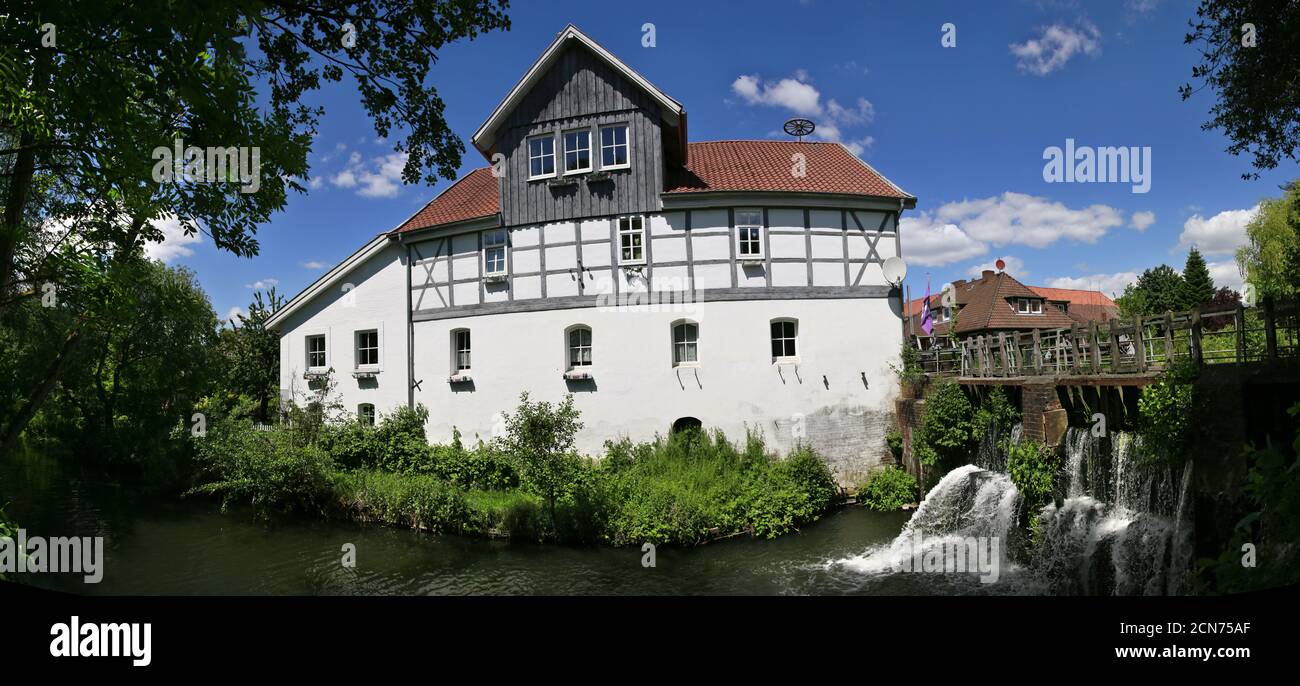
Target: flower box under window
[365,374]
[315,375]
[577,375]
[596,177]
[562,181]
[459,378]
[494,278]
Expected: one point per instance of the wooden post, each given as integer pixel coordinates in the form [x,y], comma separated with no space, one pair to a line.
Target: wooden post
[1094,349]
[1270,328]
[1114,348]
[1020,356]
[1241,333]
[1140,349]
[1169,338]
[1076,366]
[1196,337]
[1038,353]
[1002,348]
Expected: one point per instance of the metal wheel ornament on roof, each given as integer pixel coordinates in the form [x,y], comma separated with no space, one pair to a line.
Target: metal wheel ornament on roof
[800,127]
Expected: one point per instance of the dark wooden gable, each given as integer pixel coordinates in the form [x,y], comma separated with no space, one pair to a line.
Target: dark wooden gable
[579,90]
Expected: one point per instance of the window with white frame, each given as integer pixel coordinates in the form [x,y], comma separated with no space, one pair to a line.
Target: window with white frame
[785,336]
[631,240]
[316,352]
[541,156]
[579,347]
[460,349]
[367,348]
[749,234]
[613,147]
[366,414]
[686,342]
[946,314]
[494,252]
[577,151]
[1029,306]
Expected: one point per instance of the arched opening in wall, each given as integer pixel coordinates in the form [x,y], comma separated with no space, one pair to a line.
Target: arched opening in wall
[686,424]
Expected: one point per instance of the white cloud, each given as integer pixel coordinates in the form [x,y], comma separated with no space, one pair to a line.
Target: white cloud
[1221,234]
[316,182]
[791,94]
[262,284]
[934,244]
[378,177]
[800,97]
[234,312]
[1226,274]
[1054,46]
[174,243]
[1110,284]
[1141,220]
[1015,267]
[1017,218]
[314,264]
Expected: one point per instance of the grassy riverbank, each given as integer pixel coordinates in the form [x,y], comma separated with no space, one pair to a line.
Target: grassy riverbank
[528,484]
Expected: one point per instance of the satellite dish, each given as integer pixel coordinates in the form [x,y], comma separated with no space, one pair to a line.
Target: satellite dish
[949,296]
[1000,264]
[800,127]
[895,269]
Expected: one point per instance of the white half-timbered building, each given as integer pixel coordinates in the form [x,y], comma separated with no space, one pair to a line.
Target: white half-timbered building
[663,282]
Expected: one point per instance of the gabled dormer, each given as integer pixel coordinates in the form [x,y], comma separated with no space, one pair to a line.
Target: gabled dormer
[581,135]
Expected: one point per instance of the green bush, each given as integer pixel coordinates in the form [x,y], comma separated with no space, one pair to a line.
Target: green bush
[894,441]
[485,467]
[888,490]
[947,436]
[415,500]
[268,469]
[1033,468]
[995,410]
[1169,412]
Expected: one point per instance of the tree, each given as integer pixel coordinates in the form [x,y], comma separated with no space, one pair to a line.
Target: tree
[1250,56]
[117,79]
[1197,284]
[1224,299]
[1270,260]
[252,352]
[540,436]
[1158,290]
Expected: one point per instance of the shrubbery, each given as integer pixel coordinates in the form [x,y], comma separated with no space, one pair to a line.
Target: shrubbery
[946,437]
[1033,469]
[888,490]
[529,484]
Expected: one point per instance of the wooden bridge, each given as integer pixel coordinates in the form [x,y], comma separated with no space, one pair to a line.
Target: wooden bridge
[1123,352]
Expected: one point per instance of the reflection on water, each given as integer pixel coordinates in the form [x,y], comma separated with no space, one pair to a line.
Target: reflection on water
[189,547]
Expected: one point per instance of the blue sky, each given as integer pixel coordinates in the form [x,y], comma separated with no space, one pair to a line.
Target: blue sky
[963,128]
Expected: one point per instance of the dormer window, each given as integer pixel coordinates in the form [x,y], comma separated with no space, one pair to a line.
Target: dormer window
[577,151]
[1029,306]
[541,157]
[613,147]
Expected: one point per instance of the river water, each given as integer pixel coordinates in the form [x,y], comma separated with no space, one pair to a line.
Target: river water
[1124,529]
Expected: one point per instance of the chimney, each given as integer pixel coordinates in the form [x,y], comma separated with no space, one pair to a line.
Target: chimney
[987,274]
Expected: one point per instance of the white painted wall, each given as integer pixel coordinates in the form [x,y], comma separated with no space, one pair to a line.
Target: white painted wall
[838,395]
[376,300]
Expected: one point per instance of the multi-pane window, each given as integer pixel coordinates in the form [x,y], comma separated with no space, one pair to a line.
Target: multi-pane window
[579,347]
[577,151]
[784,339]
[367,348]
[686,341]
[494,252]
[1029,306]
[541,157]
[631,240]
[460,350]
[366,414]
[1036,306]
[315,352]
[1022,306]
[613,146]
[749,234]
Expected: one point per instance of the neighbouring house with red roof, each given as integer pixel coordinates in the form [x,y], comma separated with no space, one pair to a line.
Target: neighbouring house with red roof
[664,282]
[997,302]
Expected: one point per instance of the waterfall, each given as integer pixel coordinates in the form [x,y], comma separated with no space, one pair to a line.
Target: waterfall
[1123,527]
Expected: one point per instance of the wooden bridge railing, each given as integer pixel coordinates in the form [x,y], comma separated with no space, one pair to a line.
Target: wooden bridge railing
[1133,346]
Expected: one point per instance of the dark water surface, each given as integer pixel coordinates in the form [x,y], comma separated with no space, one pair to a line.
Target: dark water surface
[190,547]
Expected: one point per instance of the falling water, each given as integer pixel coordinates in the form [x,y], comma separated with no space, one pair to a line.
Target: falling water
[1123,526]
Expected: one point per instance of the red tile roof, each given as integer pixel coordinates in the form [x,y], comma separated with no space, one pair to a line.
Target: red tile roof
[1074,296]
[767,166]
[474,195]
[713,166]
